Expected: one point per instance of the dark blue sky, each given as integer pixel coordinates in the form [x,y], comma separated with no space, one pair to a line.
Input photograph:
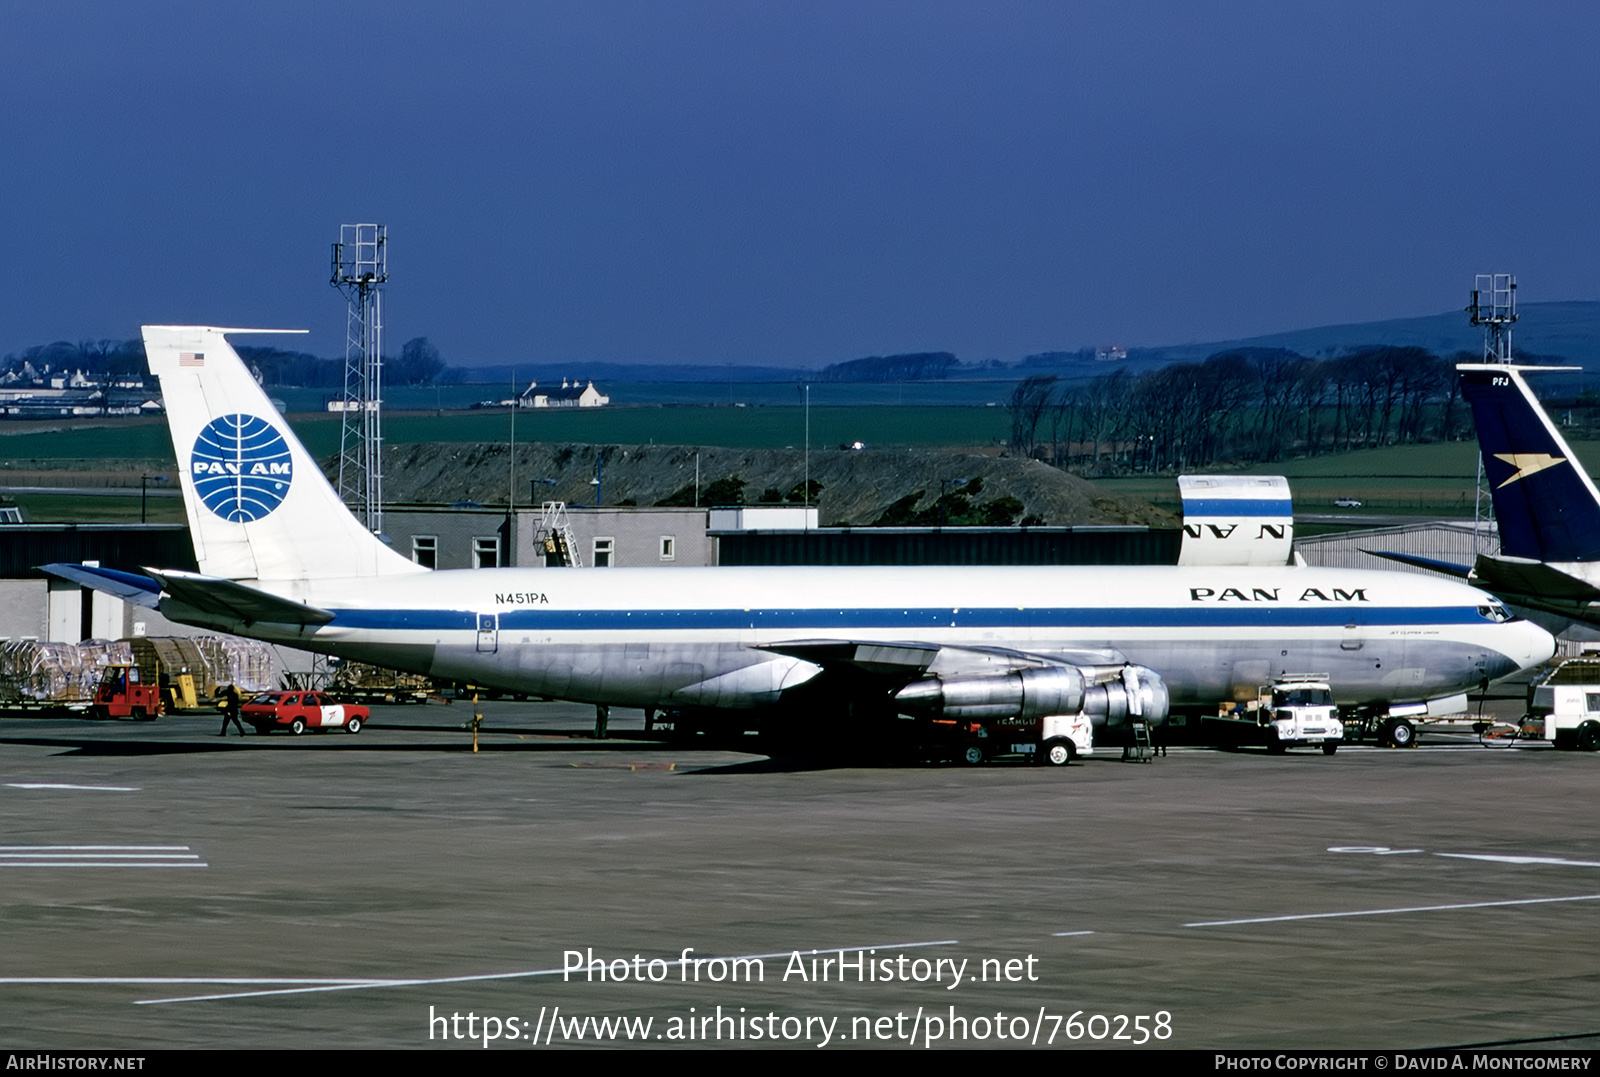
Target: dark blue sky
[791,183]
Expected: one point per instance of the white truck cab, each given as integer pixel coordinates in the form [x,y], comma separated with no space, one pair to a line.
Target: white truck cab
[1296,711]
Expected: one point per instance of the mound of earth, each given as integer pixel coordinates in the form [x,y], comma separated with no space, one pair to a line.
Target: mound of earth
[857,487]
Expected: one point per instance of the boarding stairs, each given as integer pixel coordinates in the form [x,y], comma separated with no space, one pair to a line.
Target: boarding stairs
[554,535]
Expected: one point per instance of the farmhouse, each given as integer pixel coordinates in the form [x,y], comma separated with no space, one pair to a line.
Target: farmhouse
[568,396]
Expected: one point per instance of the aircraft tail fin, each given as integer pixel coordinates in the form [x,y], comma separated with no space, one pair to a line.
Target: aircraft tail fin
[259,507]
[1546,504]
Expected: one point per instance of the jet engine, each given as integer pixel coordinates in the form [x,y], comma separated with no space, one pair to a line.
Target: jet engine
[1108,696]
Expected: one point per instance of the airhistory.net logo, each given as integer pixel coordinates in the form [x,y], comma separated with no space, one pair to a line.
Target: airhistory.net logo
[241,467]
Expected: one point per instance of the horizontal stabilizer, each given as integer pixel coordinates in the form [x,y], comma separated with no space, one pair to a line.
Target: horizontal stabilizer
[1460,572]
[225,598]
[128,586]
[1516,575]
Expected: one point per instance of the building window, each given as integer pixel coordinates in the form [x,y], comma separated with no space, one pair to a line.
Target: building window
[486,552]
[425,550]
[669,548]
[603,549]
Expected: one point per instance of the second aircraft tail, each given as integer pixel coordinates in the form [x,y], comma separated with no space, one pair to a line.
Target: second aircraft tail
[1546,504]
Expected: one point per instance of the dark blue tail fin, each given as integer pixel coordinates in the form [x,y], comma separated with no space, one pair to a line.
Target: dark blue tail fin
[1546,505]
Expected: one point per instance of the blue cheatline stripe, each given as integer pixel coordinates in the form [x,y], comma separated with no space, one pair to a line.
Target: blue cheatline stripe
[1199,618]
[1221,506]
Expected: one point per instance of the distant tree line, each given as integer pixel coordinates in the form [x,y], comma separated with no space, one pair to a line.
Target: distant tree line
[916,366]
[106,361]
[419,363]
[98,359]
[1247,405]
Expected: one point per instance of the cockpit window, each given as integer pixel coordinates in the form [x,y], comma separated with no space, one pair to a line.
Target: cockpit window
[1494,612]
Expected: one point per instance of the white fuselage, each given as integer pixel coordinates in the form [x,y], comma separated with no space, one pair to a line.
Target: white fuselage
[653,637]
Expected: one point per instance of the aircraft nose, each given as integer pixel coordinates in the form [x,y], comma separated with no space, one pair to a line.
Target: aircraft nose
[1536,646]
[1523,646]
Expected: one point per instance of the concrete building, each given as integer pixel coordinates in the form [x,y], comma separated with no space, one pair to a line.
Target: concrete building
[34,607]
[471,536]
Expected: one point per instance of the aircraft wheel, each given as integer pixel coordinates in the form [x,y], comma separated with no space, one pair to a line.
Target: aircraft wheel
[1329,747]
[972,755]
[1401,734]
[297,726]
[1589,737]
[1056,753]
[353,725]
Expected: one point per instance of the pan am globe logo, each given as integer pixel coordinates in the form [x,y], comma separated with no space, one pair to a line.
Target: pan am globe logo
[241,467]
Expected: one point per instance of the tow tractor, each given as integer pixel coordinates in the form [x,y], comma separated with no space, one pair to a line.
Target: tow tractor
[1564,706]
[1054,739]
[120,694]
[1297,711]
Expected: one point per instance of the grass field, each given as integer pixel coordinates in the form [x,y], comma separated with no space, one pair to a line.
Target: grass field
[1413,480]
[756,428]
[77,509]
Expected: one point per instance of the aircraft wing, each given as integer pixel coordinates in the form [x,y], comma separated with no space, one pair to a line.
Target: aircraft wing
[1449,568]
[912,658]
[1521,576]
[225,598]
[887,659]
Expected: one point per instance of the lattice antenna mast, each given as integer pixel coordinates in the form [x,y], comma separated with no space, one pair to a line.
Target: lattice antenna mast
[1493,309]
[360,268]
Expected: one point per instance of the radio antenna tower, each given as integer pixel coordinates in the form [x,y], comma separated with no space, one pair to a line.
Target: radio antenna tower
[1494,309]
[360,268]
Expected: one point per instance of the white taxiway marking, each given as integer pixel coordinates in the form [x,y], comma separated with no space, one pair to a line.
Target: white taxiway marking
[59,785]
[99,856]
[1499,858]
[1390,912]
[1523,859]
[1068,934]
[361,985]
[135,981]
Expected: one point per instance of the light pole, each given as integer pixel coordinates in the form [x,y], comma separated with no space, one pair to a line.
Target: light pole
[144,485]
[944,504]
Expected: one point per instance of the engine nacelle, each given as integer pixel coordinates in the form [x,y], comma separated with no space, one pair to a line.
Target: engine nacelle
[1035,693]
[1140,693]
